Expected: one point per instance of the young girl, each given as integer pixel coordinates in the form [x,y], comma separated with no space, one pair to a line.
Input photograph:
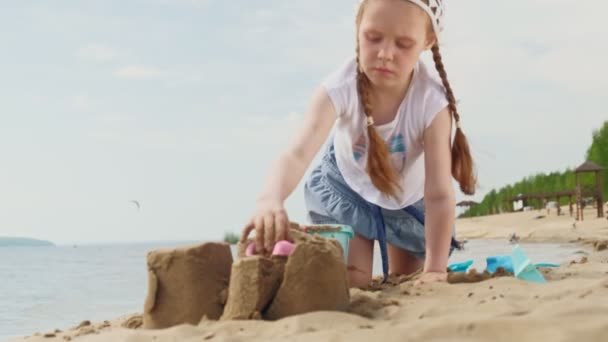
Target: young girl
[389,158]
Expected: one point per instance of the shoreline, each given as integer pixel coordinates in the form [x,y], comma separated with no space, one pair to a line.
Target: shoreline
[535,227]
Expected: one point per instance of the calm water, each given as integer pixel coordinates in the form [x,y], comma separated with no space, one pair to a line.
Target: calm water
[44,288]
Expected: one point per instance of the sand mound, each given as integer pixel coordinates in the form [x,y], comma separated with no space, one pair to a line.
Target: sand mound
[186,284]
[254,282]
[473,276]
[191,284]
[600,245]
[312,278]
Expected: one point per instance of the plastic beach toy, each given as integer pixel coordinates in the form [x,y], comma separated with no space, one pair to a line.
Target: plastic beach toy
[281,248]
[461,267]
[508,261]
[524,268]
[343,235]
[494,262]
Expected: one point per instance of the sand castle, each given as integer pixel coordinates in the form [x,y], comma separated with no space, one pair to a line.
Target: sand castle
[186,284]
[201,282]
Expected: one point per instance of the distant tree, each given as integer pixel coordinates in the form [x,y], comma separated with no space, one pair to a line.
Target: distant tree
[231,238]
[498,201]
[598,152]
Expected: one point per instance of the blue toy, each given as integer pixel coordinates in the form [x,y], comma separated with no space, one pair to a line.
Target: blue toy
[524,268]
[517,263]
[461,267]
[494,262]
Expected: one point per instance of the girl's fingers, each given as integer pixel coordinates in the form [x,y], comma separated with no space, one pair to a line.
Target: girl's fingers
[247,230]
[259,234]
[281,224]
[269,232]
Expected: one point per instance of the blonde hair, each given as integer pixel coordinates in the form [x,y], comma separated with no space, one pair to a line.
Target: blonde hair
[382,173]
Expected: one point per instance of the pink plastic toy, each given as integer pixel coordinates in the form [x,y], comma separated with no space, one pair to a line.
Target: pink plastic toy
[281,248]
[250,251]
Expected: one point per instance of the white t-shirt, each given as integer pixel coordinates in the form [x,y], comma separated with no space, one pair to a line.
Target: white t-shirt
[404,135]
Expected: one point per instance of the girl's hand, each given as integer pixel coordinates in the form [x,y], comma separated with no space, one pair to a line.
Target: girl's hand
[431,277]
[270,223]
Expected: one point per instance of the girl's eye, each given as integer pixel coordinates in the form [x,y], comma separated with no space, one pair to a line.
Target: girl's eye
[374,38]
[404,45]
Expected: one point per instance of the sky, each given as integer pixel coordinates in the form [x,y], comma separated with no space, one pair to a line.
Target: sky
[183,104]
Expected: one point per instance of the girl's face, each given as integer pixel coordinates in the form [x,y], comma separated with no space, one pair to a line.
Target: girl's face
[392,34]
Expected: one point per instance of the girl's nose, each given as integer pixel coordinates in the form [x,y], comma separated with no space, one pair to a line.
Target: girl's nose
[385,53]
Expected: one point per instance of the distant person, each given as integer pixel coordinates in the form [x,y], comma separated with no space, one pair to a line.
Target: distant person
[460,244]
[388,168]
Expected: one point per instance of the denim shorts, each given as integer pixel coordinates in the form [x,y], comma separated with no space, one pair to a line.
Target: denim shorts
[329,200]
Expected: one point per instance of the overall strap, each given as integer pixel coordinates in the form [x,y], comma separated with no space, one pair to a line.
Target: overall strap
[382,239]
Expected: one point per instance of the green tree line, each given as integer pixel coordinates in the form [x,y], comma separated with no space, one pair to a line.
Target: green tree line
[497,201]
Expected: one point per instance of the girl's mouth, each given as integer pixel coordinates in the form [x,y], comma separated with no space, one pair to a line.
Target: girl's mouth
[383,71]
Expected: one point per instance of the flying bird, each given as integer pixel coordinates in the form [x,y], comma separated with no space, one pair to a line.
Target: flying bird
[137,204]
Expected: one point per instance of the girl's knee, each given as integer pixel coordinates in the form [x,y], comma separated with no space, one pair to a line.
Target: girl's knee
[360,261]
[358,278]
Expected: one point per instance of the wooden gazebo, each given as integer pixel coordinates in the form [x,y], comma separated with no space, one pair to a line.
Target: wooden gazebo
[466,204]
[590,166]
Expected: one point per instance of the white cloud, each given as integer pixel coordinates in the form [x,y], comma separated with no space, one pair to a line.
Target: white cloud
[263,13]
[114,119]
[138,72]
[97,53]
[80,103]
[577,69]
[193,3]
[542,40]
[250,132]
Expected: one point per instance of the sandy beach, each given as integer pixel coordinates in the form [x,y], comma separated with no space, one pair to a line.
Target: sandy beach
[572,306]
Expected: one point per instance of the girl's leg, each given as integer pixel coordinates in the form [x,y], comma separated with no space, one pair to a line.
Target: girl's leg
[402,262]
[360,261]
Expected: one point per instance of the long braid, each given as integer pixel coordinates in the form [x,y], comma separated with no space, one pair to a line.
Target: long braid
[462,162]
[379,167]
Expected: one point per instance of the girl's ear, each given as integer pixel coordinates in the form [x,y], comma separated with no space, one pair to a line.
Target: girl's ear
[431,41]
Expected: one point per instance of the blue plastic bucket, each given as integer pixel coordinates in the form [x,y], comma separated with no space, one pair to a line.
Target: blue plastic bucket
[343,235]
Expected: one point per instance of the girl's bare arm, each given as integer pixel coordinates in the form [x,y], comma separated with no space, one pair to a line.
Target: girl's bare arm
[438,192]
[270,220]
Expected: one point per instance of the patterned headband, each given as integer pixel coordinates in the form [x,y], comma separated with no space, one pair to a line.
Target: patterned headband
[436,11]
